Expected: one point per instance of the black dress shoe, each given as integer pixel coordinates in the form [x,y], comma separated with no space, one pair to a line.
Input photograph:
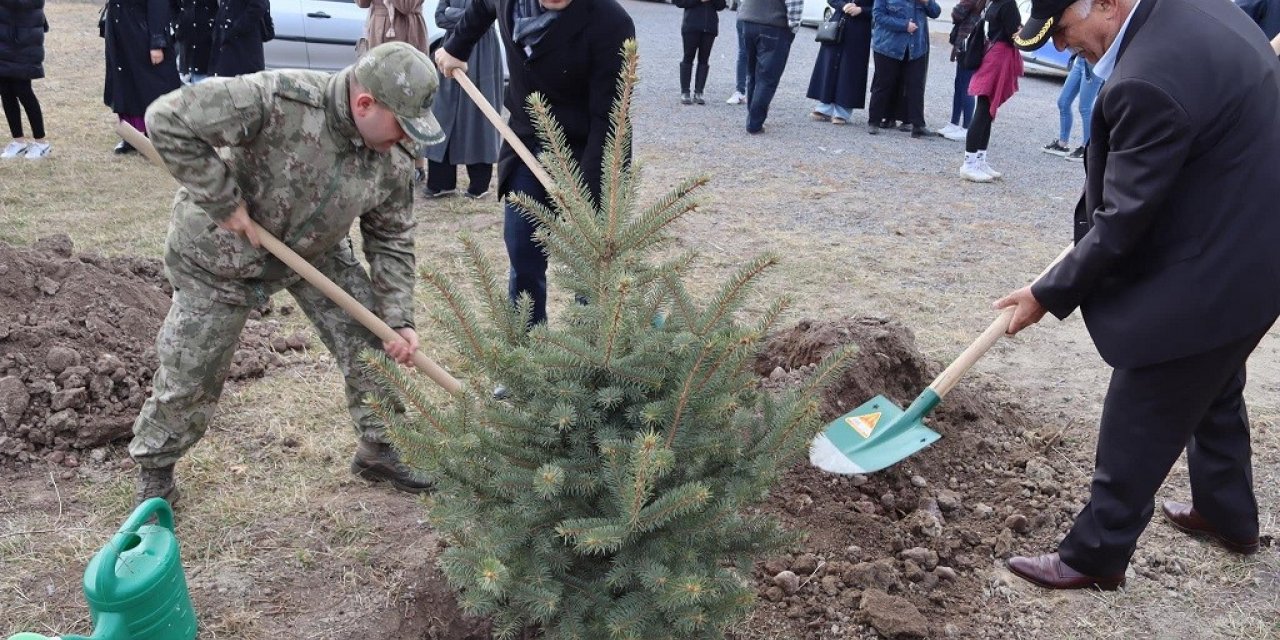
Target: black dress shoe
[122,148]
[923,132]
[1051,572]
[904,127]
[1186,519]
[873,129]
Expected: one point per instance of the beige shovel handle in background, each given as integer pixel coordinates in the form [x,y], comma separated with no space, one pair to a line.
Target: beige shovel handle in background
[313,276]
[956,370]
[507,134]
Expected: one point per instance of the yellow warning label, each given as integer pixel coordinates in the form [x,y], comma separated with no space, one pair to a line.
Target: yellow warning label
[864,424]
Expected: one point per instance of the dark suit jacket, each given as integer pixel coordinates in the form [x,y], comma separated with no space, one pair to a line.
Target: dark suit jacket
[1178,232]
[575,66]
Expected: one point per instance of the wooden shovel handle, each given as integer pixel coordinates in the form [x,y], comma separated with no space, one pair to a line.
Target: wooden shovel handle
[956,370]
[507,134]
[313,276]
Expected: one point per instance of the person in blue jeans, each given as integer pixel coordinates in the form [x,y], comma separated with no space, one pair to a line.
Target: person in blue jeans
[768,28]
[965,16]
[1084,84]
[740,85]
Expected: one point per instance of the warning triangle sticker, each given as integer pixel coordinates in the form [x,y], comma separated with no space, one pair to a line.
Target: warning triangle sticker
[864,424]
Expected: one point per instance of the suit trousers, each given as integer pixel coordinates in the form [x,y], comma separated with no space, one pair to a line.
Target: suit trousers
[1150,415]
[898,77]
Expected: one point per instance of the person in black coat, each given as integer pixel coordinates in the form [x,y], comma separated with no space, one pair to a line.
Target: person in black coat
[570,51]
[194,32]
[1174,267]
[699,29]
[140,58]
[237,38]
[839,80]
[22,29]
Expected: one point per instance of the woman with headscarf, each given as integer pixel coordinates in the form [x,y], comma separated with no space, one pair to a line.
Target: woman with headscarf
[469,138]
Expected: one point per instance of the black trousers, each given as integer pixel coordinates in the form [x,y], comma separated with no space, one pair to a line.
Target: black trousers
[893,77]
[15,91]
[444,177]
[696,45]
[1149,416]
[979,135]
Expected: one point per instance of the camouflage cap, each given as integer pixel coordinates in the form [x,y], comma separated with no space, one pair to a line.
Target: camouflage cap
[403,79]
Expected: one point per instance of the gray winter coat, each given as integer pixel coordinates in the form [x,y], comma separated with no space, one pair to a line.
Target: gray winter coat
[469,138]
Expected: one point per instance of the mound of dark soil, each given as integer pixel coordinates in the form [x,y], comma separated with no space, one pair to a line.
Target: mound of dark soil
[912,550]
[77,336]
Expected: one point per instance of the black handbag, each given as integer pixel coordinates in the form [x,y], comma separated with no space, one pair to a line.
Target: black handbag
[829,32]
[975,46]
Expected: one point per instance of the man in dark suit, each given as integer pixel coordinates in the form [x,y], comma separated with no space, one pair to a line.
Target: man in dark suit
[1175,266]
[570,51]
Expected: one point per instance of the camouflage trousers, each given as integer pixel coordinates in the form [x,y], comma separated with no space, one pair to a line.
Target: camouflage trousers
[198,340]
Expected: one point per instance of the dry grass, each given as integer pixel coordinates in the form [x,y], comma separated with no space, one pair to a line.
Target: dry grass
[262,510]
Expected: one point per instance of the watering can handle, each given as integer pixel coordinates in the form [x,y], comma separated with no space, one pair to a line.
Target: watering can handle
[105,580]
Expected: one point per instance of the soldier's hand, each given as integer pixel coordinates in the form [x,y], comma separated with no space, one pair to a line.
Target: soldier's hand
[1028,310]
[448,64]
[402,350]
[157,56]
[240,224]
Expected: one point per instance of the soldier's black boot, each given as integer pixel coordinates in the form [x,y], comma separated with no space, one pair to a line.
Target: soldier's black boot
[156,482]
[378,462]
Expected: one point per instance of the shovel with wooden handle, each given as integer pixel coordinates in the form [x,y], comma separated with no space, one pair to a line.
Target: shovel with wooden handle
[507,134]
[879,433]
[313,276]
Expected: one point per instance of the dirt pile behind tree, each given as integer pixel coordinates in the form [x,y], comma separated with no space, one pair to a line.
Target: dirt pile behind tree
[77,347]
[914,550]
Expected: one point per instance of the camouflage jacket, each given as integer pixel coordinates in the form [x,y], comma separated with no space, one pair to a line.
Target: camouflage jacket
[294,156]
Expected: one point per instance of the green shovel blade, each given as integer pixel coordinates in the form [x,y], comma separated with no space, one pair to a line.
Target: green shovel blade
[875,435]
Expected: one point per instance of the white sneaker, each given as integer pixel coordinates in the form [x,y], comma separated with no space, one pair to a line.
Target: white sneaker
[14,149]
[736,98]
[38,150]
[958,134]
[947,129]
[980,159]
[972,172]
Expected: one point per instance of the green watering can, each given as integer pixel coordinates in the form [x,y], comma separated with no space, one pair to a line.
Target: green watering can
[135,586]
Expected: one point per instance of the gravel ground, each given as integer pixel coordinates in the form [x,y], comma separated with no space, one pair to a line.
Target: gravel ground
[890,170]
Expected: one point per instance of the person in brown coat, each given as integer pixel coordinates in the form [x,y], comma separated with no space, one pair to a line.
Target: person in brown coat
[396,21]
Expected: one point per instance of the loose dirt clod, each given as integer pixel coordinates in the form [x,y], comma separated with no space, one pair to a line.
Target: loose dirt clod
[77,353]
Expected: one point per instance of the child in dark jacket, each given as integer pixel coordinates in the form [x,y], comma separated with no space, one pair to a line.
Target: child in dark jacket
[22,29]
[699,29]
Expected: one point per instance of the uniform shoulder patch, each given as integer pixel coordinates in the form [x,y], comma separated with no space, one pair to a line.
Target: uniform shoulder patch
[307,87]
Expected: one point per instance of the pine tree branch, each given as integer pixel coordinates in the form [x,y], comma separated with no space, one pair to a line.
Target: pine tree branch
[492,289]
[729,296]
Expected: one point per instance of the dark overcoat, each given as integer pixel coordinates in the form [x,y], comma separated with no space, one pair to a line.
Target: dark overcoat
[701,17]
[194,31]
[575,66]
[840,72]
[22,28]
[132,28]
[237,38]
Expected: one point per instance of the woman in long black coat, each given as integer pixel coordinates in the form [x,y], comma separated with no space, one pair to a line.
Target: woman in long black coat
[22,27]
[237,37]
[140,58]
[839,81]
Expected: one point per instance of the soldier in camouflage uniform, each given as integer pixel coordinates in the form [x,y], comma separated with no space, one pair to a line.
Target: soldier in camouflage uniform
[310,153]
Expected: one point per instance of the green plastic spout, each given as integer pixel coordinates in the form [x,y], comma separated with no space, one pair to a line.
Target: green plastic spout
[110,626]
